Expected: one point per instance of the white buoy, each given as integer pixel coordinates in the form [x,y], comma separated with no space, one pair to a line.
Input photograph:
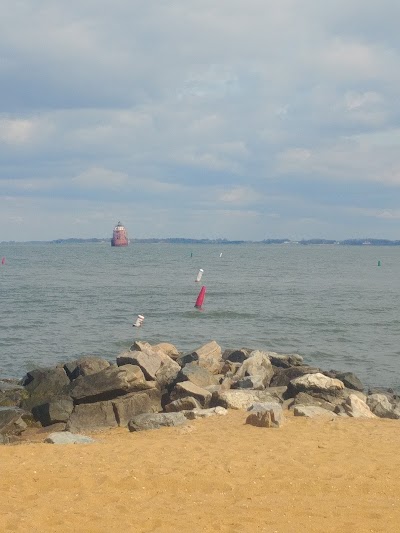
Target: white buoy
[199,275]
[139,321]
[220,254]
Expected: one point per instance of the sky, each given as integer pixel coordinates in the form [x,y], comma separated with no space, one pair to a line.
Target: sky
[236,119]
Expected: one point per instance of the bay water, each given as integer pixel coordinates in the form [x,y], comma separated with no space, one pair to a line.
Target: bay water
[332,304]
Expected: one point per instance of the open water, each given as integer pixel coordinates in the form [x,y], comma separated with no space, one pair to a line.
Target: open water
[332,304]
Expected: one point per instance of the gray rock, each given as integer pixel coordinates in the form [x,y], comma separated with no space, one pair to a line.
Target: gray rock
[186,388]
[285,360]
[242,399]
[85,366]
[236,356]
[208,356]
[195,414]
[197,375]
[356,408]
[12,420]
[92,417]
[183,404]
[314,382]
[283,376]
[148,361]
[65,437]
[155,421]
[268,415]
[136,403]
[168,371]
[57,410]
[349,380]
[249,382]
[43,385]
[256,365]
[309,400]
[108,384]
[313,411]
[381,406]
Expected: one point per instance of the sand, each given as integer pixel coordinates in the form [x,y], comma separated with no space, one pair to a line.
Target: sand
[215,475]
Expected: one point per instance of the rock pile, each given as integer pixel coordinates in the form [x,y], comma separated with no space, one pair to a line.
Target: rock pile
[154,386]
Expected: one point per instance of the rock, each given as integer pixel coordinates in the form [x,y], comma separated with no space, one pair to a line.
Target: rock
[183,404]
[136,403]
[194,414]
[256,365]
[314,382]
[380,405]
[285,360]
[108,384]
[65,437]
[267,415]
[249,382]
[197,375]
[85,366]
[186,388]
[208,356]
[313,411]
[43,385]
[148,361]
[155,421]
[308,400]
[168,371]
[92,417]
[236,356]
[57,410]
[12,394]
[356,408]
[242,399]
[349,379]
[282,376]
[167,348]
[12,420]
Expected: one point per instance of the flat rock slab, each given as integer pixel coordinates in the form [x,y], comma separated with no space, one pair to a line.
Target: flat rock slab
[194,414]
[156,421]
[66,437]
[312,411]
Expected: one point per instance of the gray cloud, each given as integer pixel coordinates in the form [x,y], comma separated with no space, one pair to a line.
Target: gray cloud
[229,119]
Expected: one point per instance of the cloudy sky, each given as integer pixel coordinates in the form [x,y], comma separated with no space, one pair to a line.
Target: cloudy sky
[238,119]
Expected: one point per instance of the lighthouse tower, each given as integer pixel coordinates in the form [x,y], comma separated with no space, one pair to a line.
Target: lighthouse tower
[120,236]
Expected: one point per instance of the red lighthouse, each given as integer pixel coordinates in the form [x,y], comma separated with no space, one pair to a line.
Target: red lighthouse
[120,236]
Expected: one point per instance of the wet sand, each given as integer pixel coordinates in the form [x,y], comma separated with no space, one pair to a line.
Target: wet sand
[214,475]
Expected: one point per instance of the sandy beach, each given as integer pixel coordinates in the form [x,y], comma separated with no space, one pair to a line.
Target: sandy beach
[214,475]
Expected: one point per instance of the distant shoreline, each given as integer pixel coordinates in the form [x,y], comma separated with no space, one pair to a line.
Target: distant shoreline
[178,240]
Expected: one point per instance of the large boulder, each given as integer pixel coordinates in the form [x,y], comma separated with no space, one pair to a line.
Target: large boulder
[350,380]
[13,420]
[308,400]
[186,388]
[108,384]
[285,360]
[167,348]
[85,366]
[314,382]
[243,399]
[197,375]
[11,394]
[187,403]
[267,415]
[136,403]
[92,417]
[208,356]
[257,365]
[155,364]
[283,375]
[43,385]
[236,356]
[54,411]
[382,407]
[357,408]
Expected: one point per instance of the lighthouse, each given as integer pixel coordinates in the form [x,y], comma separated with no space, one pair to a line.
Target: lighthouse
[120,236]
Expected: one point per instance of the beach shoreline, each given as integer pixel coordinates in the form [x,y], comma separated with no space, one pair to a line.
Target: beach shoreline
[217,474]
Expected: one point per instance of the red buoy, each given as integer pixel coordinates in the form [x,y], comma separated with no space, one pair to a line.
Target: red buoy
[200,298]
[3,261]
